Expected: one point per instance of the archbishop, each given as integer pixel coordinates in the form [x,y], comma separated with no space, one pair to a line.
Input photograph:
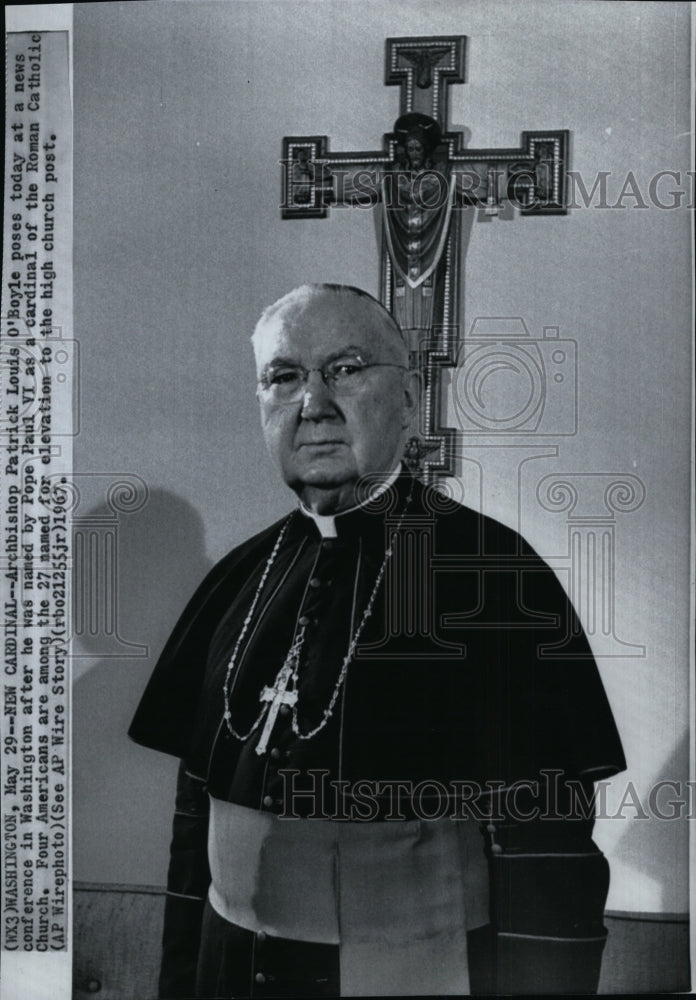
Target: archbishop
[388,716]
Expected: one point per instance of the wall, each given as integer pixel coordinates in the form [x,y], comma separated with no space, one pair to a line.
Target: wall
[179,113]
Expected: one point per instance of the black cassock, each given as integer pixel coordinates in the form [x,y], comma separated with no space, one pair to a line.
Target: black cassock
[472,672]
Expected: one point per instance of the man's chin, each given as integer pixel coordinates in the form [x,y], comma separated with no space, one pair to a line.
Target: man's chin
[325,471]
[323,479]
[334,480]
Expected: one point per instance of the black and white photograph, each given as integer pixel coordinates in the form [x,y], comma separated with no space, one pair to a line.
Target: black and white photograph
[347,430]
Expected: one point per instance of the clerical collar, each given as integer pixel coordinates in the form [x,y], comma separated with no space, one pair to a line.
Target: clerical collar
[326,523]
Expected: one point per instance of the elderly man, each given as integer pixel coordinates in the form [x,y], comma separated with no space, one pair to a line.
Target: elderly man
[366,807]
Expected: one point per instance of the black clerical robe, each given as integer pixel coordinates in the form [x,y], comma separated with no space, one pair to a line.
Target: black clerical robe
[472,677]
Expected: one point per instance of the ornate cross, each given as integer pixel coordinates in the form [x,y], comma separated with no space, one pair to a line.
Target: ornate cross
[277,695]
[420,179]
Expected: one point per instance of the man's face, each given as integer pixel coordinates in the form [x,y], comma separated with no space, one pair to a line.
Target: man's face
[323,441]
[415,153]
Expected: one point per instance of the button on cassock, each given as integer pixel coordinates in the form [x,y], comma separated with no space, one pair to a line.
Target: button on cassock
[267,801]
[260,978]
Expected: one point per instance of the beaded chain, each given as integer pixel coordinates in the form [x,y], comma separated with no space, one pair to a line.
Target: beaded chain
[293,656]
[230,667]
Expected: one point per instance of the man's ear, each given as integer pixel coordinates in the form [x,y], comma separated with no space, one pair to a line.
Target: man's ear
[411,396]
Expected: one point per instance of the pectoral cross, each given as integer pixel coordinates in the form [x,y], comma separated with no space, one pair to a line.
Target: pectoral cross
[421,252]
[276,696]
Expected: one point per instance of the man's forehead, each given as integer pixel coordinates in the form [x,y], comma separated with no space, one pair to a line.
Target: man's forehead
[322,326]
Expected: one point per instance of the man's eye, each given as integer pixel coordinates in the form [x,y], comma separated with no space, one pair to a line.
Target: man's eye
[284,377]
[347,368]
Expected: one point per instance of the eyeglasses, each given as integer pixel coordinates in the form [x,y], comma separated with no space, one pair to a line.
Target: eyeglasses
[344,377]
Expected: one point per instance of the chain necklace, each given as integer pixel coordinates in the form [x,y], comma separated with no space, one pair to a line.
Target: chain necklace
[289,672]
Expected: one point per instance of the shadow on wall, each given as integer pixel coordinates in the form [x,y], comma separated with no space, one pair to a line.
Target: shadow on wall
[134,572]
[651,859]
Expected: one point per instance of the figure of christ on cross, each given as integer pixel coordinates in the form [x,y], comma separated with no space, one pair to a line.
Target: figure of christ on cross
[418,186]
[417,192]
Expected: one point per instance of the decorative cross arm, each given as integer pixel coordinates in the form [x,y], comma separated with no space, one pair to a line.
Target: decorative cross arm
[531,177]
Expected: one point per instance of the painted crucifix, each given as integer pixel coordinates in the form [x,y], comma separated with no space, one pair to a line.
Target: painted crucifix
[419,180]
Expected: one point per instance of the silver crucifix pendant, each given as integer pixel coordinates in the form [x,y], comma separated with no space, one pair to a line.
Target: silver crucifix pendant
[276,696]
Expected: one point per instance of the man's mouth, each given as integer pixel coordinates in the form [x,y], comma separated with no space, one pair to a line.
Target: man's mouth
[328,443]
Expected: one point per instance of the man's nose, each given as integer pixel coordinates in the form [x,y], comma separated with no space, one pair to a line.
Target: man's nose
[317,399]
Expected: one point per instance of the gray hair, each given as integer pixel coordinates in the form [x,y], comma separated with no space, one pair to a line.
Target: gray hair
[305,294]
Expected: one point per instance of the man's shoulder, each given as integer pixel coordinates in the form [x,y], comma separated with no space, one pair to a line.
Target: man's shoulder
[235,566]
[471,529]
[253,548]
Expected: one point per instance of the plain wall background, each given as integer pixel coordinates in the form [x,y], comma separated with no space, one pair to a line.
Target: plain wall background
[180,109]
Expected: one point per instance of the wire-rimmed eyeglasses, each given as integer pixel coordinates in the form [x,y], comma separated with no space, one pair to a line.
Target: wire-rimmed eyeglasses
[343,376]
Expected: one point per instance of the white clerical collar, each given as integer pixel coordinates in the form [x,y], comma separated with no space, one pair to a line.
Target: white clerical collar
[326,523]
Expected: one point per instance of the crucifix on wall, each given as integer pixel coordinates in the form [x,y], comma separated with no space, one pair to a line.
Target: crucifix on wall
[419,180]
